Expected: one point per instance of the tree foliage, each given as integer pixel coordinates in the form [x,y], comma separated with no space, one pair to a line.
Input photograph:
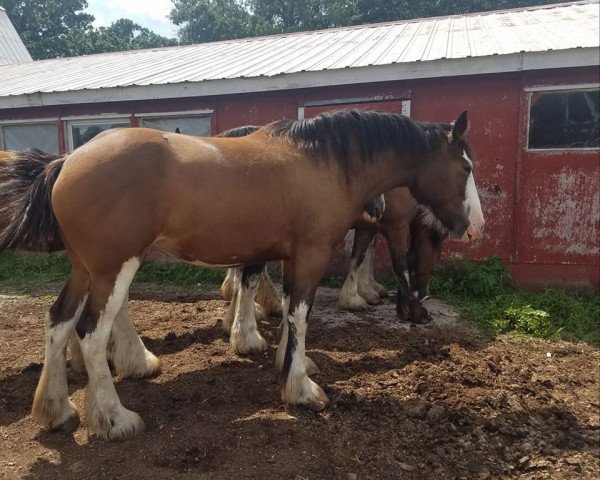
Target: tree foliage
[60,28]
[210,20]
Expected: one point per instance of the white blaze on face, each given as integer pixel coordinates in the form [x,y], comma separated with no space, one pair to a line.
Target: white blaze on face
[474,206]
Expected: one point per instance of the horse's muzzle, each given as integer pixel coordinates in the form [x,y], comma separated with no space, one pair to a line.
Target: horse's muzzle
[457,232]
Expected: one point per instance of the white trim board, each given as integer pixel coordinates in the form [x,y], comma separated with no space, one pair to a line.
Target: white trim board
[577,57]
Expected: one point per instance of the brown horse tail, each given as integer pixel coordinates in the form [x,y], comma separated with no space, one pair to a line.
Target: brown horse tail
[27,221]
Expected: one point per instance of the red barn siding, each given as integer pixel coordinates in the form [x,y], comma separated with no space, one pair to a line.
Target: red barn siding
[541,209]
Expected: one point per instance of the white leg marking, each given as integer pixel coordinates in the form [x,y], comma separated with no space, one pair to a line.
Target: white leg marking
[311,367]
[236,285]
[51,404]
[245,338]
[365,272]
[75,356]
[127,351]
[106,416]
[267,296]
[285,305]
[380,289]
[349,298]
[298,388]
[227,285]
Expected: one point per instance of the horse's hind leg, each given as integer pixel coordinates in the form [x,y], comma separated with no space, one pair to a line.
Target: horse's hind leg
[126,349]
[236,282]
[227,285]
[349,298]
[380,289]
[105,415]
[245,337]
[365,277]
[267,296]
[51,404]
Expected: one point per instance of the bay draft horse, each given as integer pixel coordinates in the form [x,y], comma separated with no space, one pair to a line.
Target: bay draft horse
[289,191]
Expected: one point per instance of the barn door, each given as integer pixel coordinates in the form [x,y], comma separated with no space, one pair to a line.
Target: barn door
[558,213]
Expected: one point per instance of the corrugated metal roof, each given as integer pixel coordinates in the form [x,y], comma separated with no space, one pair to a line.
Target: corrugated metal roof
[12,49]
[416,42]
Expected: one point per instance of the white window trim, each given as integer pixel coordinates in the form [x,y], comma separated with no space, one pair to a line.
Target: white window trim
[186,113]
[90,120]
[28,121]
[404,102]
[558,89]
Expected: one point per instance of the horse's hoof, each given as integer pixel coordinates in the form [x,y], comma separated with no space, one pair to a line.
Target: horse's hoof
[68,425]
[307,394]
[311,367]
[118,426]
[354,304]
[148,367]
[380,289]
[418,313]
[249,343]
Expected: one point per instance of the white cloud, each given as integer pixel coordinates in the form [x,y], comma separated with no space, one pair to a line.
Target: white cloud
[152,14]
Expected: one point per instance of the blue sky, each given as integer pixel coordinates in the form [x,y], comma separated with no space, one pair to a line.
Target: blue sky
[152,14]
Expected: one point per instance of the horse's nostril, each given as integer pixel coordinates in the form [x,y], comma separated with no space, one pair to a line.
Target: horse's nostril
[470,236]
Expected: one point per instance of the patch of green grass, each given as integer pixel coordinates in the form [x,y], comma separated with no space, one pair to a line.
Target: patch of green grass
[483,293]
[25,273]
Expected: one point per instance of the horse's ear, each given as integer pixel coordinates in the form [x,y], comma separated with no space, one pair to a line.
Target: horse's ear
[459,128]
[177,130]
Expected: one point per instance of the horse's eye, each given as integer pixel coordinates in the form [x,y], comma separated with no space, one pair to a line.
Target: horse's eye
[468,169]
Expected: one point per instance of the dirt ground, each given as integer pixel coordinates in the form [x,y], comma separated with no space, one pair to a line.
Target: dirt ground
[430,402]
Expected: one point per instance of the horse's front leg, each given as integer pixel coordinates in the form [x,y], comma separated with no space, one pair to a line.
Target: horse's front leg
[297,388]
[408,308]
[423,255]
[349,298]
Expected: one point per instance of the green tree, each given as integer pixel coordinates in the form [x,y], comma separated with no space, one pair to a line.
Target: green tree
[59,28]
[210,20]
[45,26]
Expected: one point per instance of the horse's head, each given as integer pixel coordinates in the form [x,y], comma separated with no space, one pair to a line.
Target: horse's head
[441,180]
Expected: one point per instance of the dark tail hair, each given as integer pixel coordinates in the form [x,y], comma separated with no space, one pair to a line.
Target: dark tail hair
[27,221]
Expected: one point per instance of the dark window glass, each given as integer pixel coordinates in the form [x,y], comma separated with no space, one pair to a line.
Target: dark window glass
[565,120]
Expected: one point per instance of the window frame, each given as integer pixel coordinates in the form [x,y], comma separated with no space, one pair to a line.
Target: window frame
[206,113]
[530,91]
[90,120]
[31,121]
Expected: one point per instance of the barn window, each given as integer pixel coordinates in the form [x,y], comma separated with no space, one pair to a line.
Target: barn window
[559,120]
[82,131]
[198,125]
[21,136]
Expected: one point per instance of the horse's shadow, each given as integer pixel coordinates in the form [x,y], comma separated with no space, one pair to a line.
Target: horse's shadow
[16,391]
[223,432]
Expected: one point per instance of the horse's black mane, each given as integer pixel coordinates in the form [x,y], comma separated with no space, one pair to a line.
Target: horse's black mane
[340,132]
[239,131]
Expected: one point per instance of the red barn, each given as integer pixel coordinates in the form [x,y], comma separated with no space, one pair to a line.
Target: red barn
[529,78]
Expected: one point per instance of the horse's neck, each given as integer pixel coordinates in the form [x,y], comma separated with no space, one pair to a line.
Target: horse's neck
[383,173]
